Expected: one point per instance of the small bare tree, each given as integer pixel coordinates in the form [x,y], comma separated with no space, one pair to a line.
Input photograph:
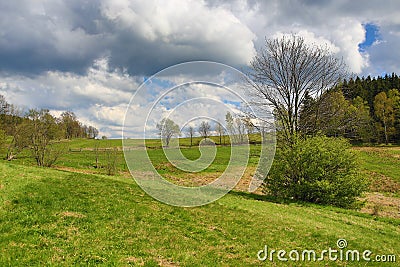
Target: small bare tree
[96,153]
[190,132]
[236,128]
[284,72]
[204,129]
[111,160]
[248,124]
[220,131]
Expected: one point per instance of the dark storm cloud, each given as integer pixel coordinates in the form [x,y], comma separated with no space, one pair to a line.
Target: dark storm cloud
[69,35]
[54,35]
[147,36]
[90,56]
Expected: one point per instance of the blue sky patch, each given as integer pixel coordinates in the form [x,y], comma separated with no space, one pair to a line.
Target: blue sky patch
[371,35]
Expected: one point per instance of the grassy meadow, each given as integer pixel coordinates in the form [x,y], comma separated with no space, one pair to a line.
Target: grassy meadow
[75,214]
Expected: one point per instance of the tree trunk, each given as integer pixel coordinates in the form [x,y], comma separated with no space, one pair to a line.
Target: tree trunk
[385,128]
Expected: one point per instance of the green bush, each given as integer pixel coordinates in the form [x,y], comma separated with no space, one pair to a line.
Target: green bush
[317,169]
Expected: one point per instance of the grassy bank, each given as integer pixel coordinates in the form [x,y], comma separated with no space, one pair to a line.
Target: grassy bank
[51,217]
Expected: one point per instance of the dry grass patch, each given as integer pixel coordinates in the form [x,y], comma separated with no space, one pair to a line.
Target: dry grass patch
[134,260]
[380,205]
[166,263]
[382,183]
[76,170]
[200,179]
[72,214]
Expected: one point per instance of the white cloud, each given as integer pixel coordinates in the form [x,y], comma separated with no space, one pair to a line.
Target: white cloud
[339,23]
[183,29]
[89,57]
[98,98]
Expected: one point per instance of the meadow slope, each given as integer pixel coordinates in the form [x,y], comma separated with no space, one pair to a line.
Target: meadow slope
[51,217]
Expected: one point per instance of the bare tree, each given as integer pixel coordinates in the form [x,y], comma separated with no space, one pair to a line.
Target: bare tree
[204,129]
[20,140]
[248,124]
[111,160]
[13,125]
[96,153]
[230,123]
[284,72]
[241,128]
[190,132]
[4,105]
[235,127]
[167,129]
[220,131]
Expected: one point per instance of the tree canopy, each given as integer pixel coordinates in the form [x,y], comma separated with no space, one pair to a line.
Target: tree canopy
[285,71]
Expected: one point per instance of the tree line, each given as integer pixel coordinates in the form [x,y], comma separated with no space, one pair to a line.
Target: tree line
[39,131]
[361,109]
[237,128]
[381,97]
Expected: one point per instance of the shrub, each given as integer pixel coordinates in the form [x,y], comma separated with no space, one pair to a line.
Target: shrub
[317,169]
[111,155]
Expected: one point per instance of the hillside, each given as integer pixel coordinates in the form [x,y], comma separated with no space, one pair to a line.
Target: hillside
[51,217]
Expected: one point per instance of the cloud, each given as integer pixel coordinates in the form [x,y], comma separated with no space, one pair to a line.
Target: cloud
[147,36]
[384,56]
[38,36]
[55,89]
[180,101]
[157,34]
[91,56]
[141,36]
[339,23]
[98,97]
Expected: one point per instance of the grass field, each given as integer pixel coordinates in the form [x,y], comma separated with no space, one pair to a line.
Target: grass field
[78,216]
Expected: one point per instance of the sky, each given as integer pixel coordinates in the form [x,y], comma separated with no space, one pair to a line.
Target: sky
[90,57]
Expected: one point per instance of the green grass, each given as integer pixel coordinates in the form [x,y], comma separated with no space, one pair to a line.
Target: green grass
[382,160]
[50,217]
[82,155]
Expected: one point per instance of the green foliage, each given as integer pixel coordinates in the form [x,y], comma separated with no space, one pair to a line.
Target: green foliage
[167,129]
[369,89]
[364,129]
[319,170]
[384,111]
[394,94]
[3,139]
[333,115]
[330,114]
[43,132]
